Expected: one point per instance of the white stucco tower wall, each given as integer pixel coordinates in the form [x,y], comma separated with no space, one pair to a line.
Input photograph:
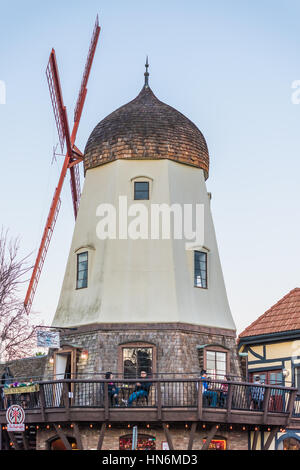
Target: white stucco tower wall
[142,281]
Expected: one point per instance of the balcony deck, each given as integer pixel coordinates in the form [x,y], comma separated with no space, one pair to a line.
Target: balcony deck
[170,400]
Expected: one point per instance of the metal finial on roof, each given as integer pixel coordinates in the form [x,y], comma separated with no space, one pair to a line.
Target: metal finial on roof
[146,73]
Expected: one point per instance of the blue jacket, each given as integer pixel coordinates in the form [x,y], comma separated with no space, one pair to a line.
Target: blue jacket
[204,384]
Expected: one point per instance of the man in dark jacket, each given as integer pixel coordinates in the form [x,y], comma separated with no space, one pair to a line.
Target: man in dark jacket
[141,389]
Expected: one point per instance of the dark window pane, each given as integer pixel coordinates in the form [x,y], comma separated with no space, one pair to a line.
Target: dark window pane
[81,284]
[141,190]
[82,275]
[82,266]
[200,269]
[82,270]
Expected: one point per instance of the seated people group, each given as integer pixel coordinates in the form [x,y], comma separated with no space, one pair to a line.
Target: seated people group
[141,390]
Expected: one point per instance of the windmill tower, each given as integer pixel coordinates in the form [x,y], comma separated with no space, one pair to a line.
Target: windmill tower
[141,302]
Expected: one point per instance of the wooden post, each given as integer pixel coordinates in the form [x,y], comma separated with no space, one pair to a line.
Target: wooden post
[63,437]
[229,402]
[106,402]
[192,436]
[42,402]
[270,438]
[159,402]
[168,437]
[77,436]
[266,404]
[291,403]
[255,439]
[66,399]
[200,401]
[101,437]
[210,437]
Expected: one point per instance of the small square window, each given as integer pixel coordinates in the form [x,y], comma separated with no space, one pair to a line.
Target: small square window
[141,190]
[82,271]
[200,269]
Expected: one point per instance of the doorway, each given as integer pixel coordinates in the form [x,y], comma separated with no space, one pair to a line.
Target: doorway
[64,368]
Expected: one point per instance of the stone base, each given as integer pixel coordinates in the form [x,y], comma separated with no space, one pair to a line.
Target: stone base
[176,347]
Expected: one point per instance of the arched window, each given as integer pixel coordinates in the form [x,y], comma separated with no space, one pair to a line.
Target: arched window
[142,188]
[55,443]
[291,444]
[290,440]
[84,255]
[144,442]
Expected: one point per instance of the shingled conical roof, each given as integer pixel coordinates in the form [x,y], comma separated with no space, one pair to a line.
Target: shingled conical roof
[146,128]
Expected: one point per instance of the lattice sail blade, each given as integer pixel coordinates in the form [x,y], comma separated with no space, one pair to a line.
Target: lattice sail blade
[86,73]
[59,109]
[48,232]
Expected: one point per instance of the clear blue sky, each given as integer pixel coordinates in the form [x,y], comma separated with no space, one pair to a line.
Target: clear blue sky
[227,65]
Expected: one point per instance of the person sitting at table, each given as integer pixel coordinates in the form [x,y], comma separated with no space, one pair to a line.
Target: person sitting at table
[113,391]
[141,389]
[210,394]
[224,391]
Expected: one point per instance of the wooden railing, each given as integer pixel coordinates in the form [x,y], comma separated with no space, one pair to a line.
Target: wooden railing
[163,394]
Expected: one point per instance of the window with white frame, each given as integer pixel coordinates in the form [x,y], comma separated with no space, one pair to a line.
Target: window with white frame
[216,364]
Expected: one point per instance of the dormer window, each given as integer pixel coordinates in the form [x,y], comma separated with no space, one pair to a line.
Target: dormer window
[200,269]
[141,190]
[82,270]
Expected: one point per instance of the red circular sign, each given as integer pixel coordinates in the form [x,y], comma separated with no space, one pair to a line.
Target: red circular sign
[15,415]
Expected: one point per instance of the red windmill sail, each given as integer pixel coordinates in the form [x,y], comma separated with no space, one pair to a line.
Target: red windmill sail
[72,158]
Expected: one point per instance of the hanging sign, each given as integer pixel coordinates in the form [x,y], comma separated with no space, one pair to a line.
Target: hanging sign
[15,417]
[48,339]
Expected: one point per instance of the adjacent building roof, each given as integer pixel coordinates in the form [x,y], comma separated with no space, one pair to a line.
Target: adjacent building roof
[283,316]
[146,128]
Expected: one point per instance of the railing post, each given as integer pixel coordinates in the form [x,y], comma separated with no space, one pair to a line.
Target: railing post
[266,401]
[66,399]
[291,403]
[159,403]
[42,401]
[229,401]
[200,400]
[106,402]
